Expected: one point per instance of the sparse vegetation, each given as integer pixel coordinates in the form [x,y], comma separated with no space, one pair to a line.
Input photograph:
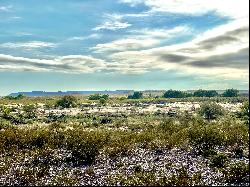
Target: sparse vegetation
[176,94]
[67,101]
[230,93]
[98,97]
[211,111]
[35,142]
[136,95]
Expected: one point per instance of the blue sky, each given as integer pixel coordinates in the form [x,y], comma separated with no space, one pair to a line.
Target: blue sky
[123,44]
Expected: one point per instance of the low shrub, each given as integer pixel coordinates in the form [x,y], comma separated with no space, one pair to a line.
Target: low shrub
[85,145]
[205,137]
[218,160]
[237,173]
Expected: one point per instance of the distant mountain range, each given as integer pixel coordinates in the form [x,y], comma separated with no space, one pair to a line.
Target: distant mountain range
[60,93]
[110,92]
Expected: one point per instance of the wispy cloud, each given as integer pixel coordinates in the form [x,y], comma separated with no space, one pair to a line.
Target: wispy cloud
[64,64]
[124,45]
[16,17]
[224,54]
[5,8]
[141,39]
[132,2]
[28,45]
[92,36]
[112,22]
[161,33]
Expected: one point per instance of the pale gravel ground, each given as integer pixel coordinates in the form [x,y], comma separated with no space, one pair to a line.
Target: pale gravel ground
[164,161]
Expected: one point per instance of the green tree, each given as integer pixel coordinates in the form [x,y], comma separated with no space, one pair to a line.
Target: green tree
[175,94]
[205,93]
[230,93]
[199,93]
[211,93]
[98,96]
[18,97]
[136,95]
[211,111]
[67,101]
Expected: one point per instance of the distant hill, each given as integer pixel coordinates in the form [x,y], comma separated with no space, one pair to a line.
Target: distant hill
[110,92]
[60,93]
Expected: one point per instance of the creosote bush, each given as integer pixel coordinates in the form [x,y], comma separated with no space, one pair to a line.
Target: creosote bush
[85,145]
[236,173]
[211,111]
[219,160]
[67,101]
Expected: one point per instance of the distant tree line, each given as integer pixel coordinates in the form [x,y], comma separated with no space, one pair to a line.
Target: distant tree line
[98,97]
[198,93]
[20,96]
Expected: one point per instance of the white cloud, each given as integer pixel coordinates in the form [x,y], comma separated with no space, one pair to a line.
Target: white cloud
[23,34]
[232,8]
[112,22]
[92,36]
[161,33]
[65,64]
[224,54]
[28,45]
[132,2]
[124,45]
[109,25]
[141,39]
[16,17]
[5,8]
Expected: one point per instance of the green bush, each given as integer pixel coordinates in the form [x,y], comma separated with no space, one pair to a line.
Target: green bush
[85,145]
[205,137]
[136,95]
[205,93]
[230,93]
[243,114]
[67,101]
[98,97]
[18,97]
[143,178]
[30,111]
[236,173]
[176,94]
[219,160]
[211,111]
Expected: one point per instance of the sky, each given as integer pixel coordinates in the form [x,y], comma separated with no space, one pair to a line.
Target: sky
[123,44]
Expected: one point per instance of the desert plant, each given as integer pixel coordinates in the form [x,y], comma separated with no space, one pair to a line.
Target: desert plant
[85,145]
[67,101]
[219,160]
[136,95]
[175,94]
[98,97]
[211,111]
[230,93]
[243,114]
[236,173]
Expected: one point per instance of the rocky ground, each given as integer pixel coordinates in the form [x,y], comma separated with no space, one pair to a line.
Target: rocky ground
[60,169]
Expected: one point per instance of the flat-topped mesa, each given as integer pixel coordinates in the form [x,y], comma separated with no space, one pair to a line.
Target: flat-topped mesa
[61,93]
